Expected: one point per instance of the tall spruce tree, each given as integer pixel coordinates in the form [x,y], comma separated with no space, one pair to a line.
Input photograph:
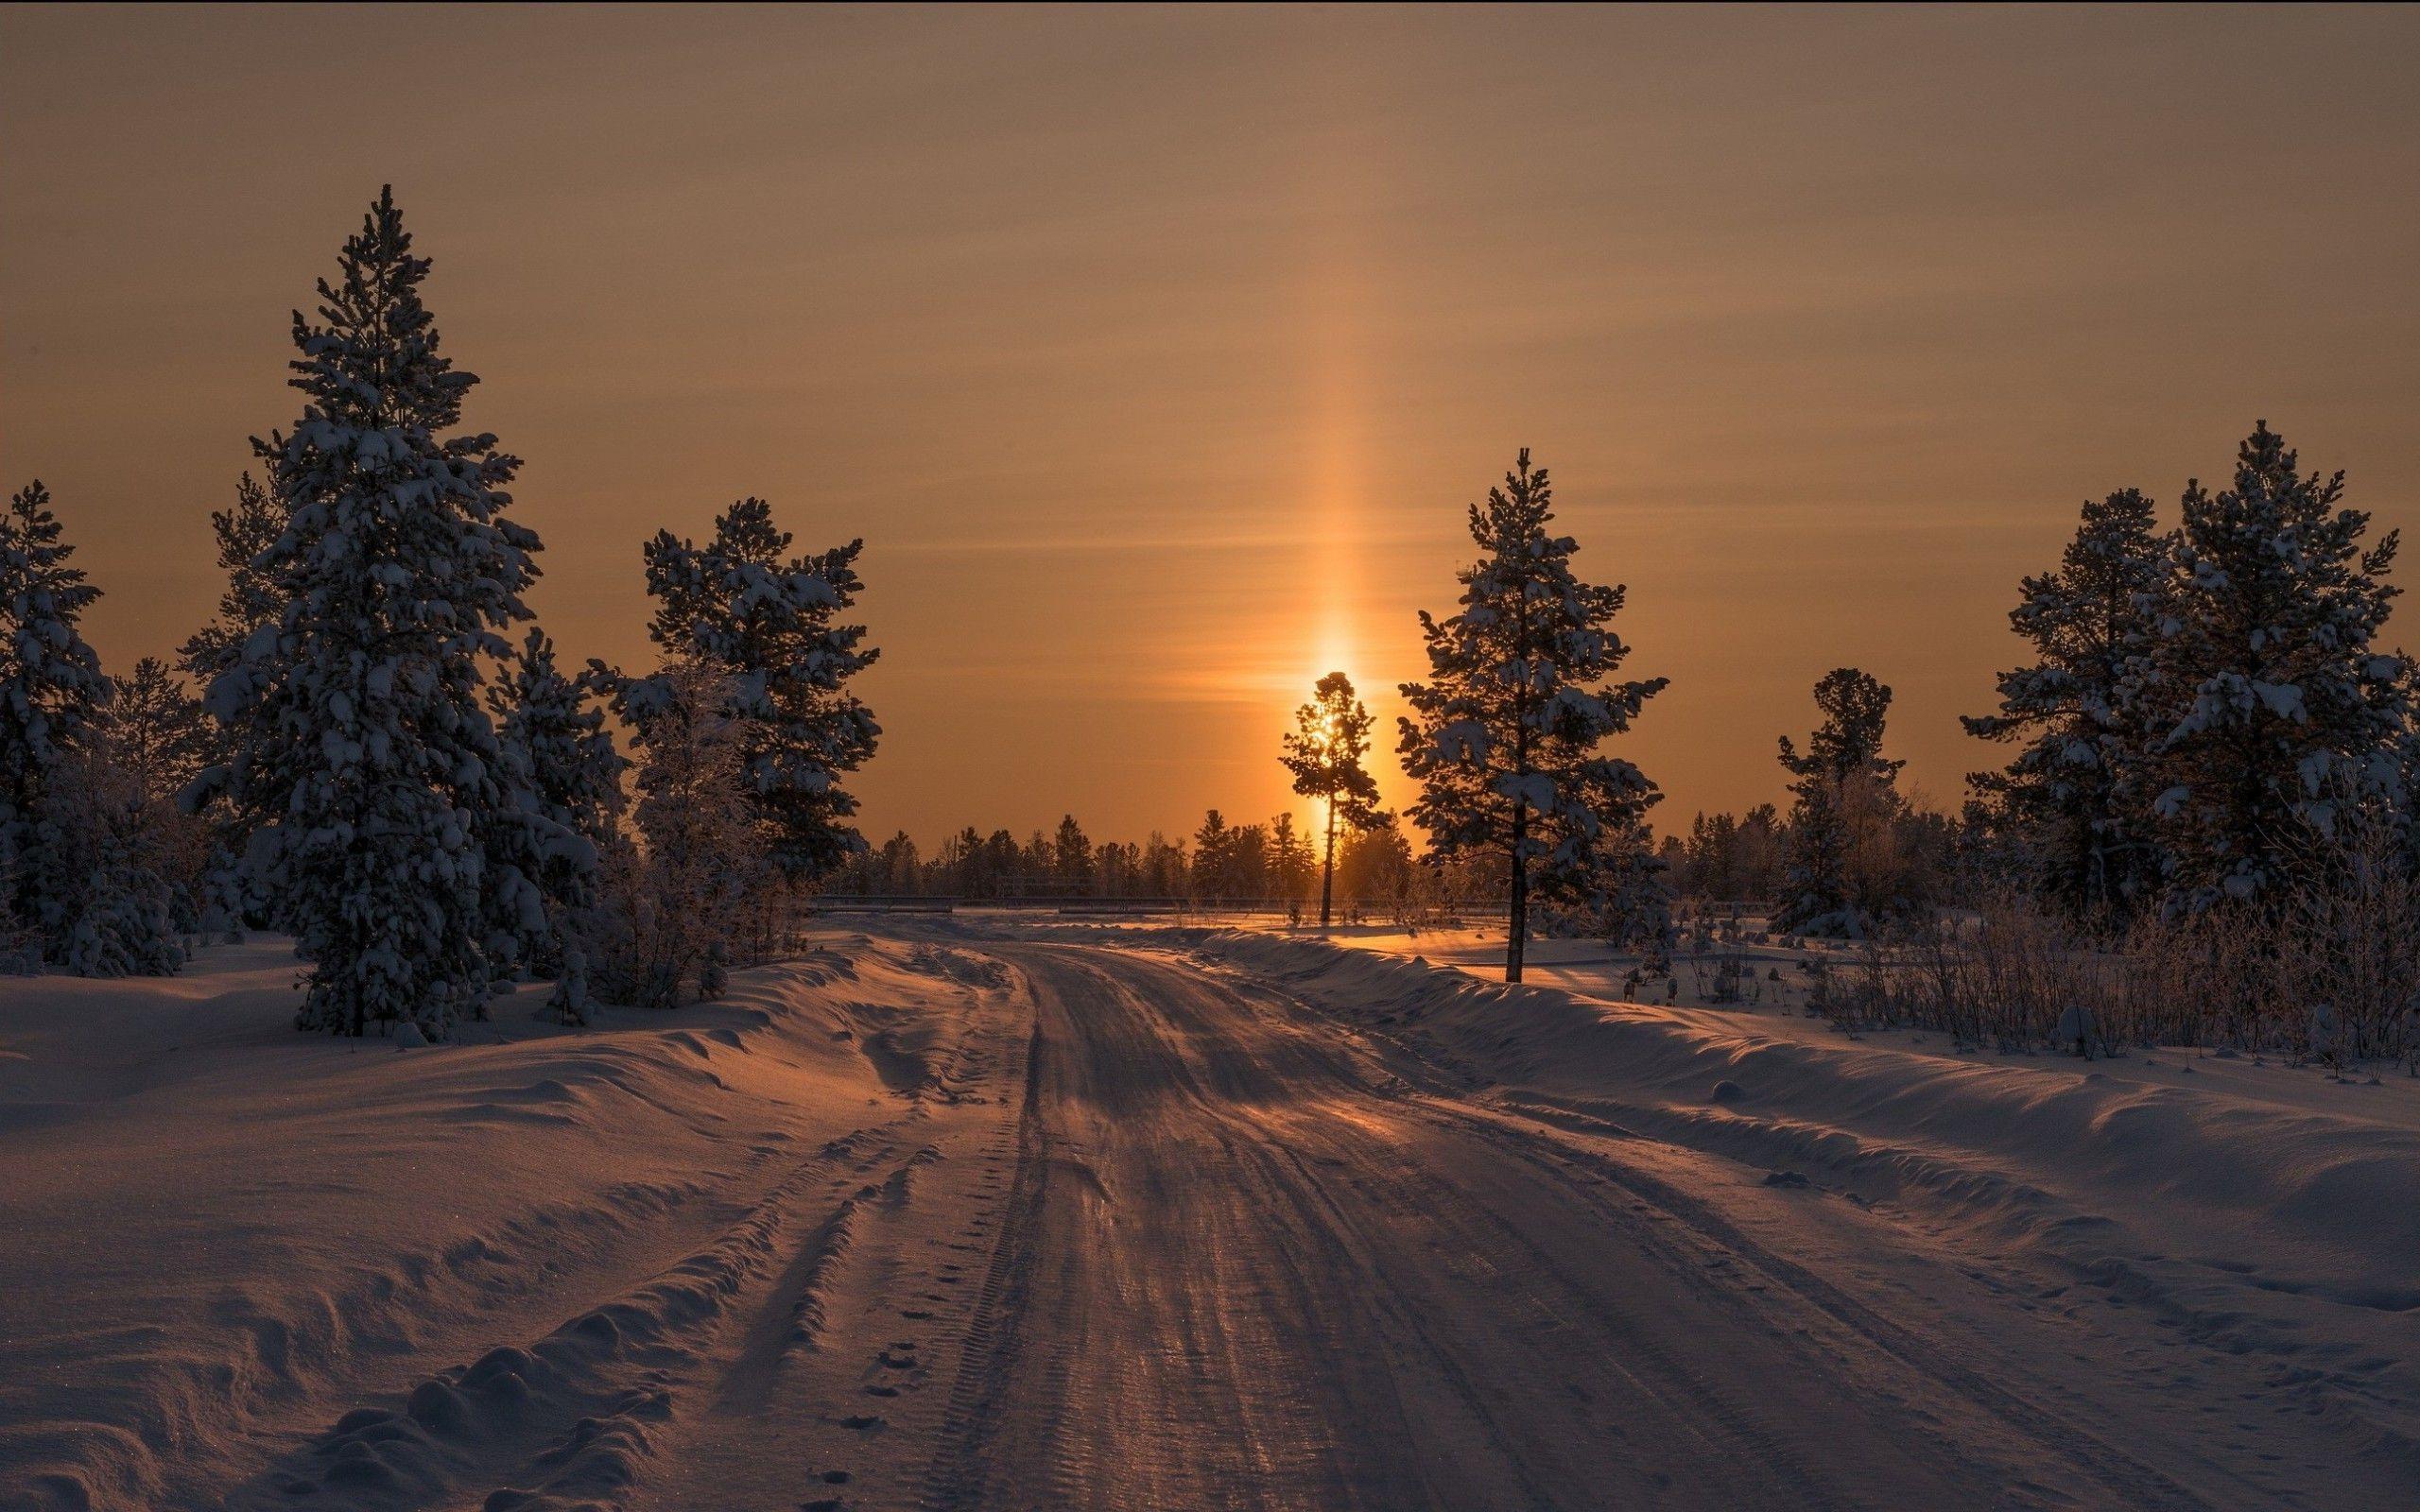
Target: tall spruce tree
[1503,738]
[2073,800]
[363,762]
[2286,709]
[771,623]
[1843,788]
[1325,751]
[563,797]
[51,686]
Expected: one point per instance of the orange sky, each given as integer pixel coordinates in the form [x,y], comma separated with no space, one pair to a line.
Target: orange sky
[1155,353]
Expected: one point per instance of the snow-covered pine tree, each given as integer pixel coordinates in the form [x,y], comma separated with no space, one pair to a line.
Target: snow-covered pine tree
[51,685]
[363,762]
[1324,752]
[563,788]
[119,861]
[771,623]
[2073,800]
[1504,737]
[1843,788]
[249,604]
[1632,905]
[2284,707]
[705,847]
[108,911]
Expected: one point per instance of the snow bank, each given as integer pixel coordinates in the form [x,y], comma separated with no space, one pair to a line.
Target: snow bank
[222,1232]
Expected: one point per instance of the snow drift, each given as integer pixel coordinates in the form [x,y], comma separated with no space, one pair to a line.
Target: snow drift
[226,1237]
[2254,1223]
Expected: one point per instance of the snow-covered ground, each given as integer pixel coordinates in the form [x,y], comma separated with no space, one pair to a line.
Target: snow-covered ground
[237,1256]
[1773,998]
[982,1213]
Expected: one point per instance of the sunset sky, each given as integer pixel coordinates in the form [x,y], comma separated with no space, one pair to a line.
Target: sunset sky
[1155,353]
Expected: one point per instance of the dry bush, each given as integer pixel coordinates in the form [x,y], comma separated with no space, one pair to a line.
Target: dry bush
[2331,974]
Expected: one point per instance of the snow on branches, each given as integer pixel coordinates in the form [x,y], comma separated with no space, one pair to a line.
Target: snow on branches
[1504,735]
[771,624]
[362,761]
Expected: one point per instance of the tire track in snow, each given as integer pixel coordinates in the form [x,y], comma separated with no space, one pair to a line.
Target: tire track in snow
[954,1479]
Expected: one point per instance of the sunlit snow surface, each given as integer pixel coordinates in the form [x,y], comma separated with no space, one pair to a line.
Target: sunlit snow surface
[988,1213]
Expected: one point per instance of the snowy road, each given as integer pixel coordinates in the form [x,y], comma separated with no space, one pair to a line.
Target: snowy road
[1129,1229]
[1243,1264]
[1221,1256]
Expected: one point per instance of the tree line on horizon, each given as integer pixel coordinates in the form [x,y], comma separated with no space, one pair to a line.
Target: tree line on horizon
[1376,872]
[354,750]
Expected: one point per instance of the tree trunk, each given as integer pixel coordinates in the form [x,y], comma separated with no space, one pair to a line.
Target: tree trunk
[1516,937]
[1327,870]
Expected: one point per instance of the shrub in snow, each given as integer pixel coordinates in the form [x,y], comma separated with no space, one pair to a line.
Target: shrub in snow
[362,764]
[123,929]
[769,623]
[2325,1043]
[125,864]
[569,999]
[1504,737]
[2074,1033]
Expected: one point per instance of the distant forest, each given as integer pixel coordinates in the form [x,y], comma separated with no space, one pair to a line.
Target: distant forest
[1218,863]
